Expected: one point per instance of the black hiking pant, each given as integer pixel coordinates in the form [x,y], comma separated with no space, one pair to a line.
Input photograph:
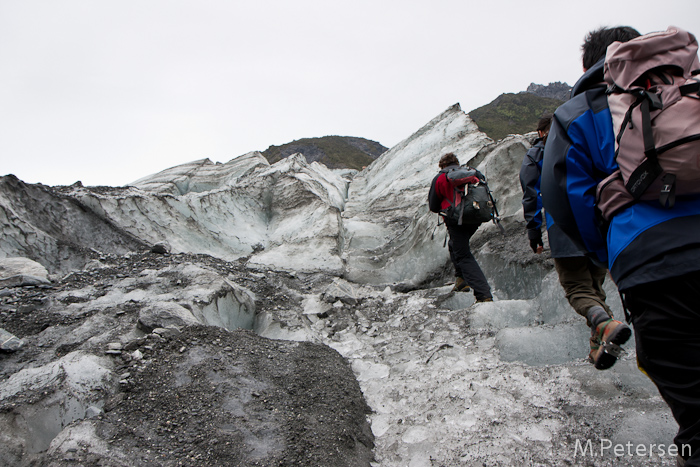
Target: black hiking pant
[666,319]
[465,264]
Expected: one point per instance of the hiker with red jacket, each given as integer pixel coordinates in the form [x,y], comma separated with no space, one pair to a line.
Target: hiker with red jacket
[467,271]
[651,250]
[580,277]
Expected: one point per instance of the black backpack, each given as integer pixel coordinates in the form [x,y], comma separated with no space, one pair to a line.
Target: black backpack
[473,203]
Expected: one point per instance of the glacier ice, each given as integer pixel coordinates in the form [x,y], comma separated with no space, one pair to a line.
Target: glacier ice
[450,381]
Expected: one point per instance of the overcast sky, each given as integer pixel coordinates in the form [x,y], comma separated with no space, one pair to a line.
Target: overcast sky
[109,91]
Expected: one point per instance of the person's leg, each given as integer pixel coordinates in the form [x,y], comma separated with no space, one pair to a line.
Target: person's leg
[582,285]
[470,269]
[598,276]
[460,284]
[666,320]
[450,248]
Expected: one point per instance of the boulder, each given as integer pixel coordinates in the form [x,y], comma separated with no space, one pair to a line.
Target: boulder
[19,272]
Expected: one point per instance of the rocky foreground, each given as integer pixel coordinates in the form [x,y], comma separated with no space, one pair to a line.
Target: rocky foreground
[118,367]
[102,380]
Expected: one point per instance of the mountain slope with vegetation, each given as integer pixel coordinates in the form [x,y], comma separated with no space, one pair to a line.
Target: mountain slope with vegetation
[518,113]
[507,114]
[336,152]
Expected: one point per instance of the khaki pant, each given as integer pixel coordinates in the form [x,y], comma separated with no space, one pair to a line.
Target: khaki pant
[583,283]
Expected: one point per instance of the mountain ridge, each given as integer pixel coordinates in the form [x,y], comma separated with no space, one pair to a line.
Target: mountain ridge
[335,152]
[509,113]
[518,113]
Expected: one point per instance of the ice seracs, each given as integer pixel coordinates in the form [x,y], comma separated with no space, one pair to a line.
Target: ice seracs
[297,252]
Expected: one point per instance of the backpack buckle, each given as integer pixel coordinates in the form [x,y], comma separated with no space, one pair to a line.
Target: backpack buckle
[612,89]
[655,100]
[667,197]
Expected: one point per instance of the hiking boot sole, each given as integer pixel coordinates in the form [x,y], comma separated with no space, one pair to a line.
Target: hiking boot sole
[611,349]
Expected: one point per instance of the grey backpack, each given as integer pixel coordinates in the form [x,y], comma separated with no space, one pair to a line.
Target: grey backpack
[654,99]
[473,203]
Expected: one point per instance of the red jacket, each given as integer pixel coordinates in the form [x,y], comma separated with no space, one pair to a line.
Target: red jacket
[442,192]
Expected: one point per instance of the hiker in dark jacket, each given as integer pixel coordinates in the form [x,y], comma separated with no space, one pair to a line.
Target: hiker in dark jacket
[653,253]
[580,277]
[467,271]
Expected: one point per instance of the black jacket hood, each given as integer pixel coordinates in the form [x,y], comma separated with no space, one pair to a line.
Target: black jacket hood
[593,77]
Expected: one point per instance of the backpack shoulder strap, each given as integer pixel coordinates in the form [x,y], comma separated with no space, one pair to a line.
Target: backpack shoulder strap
[644,175]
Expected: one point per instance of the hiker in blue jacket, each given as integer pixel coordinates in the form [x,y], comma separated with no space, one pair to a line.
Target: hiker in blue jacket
[653,253]
[580,277]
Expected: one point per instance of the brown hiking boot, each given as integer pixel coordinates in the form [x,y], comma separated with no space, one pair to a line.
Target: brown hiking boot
[606,340]
[461,285]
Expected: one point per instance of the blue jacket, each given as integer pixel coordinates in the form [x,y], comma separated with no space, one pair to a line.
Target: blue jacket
[644,242]
[530,174]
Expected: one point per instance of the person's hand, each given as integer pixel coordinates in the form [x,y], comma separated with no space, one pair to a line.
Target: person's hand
[536,245]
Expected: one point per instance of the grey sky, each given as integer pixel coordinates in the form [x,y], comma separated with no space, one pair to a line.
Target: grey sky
[109,91]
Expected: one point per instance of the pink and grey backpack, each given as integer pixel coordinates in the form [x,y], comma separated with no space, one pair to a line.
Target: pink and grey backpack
[654,99]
